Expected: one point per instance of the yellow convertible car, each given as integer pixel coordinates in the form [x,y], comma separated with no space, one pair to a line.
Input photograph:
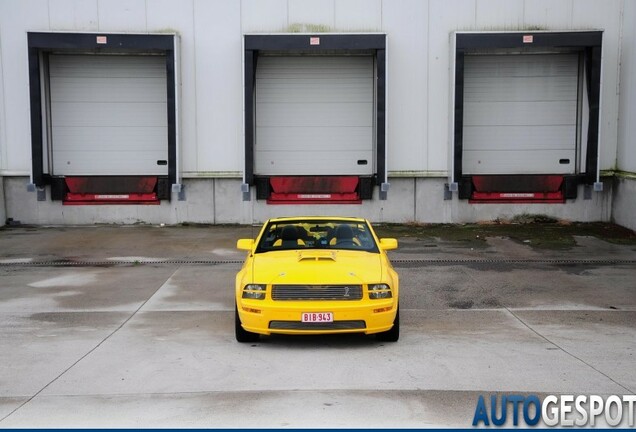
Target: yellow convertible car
[317,275]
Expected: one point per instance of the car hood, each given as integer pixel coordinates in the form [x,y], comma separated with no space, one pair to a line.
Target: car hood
[317,267]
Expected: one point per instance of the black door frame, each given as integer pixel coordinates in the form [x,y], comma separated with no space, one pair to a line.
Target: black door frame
[589,42]
[316,44]
[97,43]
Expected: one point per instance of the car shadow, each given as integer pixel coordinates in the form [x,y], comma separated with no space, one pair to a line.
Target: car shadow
[328,341]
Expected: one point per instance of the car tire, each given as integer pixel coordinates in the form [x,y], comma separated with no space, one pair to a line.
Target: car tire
[391,335]
[241,334]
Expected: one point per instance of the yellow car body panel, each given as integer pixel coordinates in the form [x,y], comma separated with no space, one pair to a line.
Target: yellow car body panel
[309,267]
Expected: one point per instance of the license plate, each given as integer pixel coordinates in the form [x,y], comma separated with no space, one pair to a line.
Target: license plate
[314,317]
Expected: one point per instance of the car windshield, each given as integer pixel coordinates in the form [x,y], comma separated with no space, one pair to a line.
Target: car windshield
[317,234]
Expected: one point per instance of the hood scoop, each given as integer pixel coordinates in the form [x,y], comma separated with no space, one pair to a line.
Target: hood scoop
[317,256]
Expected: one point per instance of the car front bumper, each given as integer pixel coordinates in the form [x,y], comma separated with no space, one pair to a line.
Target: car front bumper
[284,317]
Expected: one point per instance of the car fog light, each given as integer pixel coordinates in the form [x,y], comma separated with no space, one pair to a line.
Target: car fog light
[254,291]
[380,291]
[380,295]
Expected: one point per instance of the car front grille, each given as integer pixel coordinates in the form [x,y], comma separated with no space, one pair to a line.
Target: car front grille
[336,325]
[317,292]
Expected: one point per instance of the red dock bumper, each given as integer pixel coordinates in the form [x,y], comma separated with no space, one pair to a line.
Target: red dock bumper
[314,190]
[111,190]
[518,189]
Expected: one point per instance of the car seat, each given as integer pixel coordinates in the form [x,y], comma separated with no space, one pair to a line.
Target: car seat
[344,236]
[289,236]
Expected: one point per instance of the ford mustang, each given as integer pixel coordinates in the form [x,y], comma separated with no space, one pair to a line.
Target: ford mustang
[317,275]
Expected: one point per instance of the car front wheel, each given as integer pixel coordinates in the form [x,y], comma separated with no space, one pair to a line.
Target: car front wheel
[391,335]
[242,335]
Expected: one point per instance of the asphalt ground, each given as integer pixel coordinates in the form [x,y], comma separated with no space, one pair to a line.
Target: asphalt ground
[132,326]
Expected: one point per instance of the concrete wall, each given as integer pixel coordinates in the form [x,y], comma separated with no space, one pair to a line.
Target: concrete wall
[624,202]
[24,206]
[3,213]
[216,201]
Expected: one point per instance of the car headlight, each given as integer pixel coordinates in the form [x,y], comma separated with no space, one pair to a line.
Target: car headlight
[254,291]
[379,291]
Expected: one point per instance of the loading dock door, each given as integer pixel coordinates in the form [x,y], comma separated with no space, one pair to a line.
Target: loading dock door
[108,115]
[520,114]
[314,115]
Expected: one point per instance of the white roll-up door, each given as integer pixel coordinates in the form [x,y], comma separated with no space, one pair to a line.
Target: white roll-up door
[520,114]
[108,115]
[314,115]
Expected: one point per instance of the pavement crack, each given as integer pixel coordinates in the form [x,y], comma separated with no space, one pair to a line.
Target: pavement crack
[67,262]
[630,391]
[91,350]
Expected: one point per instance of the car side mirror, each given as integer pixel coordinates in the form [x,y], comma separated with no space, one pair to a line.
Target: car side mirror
[245,244]
[388,243]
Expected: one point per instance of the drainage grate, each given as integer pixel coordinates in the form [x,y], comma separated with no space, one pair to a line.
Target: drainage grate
[514,261]
[396,262]
[113,263]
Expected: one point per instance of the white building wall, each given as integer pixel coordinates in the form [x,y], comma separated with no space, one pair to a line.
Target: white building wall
[219,103]
[624,206]
[211,63]
[442,24]
[3,143]
[407,98]
[419,59]
[178,17]
[605,15]
[15,18]
[257,19]
[626,154]
[548,14]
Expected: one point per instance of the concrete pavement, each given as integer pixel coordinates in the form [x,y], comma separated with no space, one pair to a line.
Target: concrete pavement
[132,332]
